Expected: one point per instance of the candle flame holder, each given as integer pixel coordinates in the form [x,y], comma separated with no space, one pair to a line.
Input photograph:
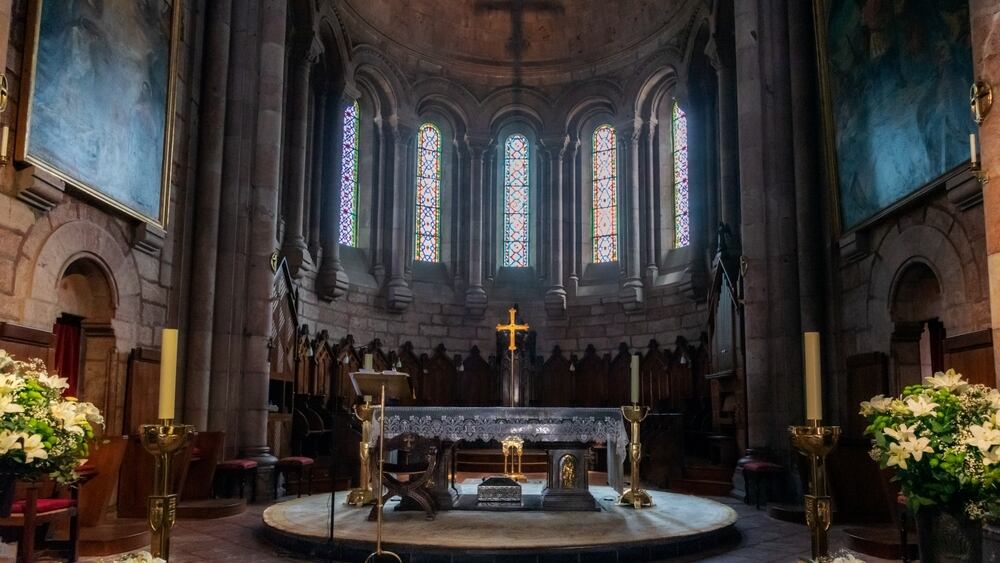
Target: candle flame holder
[635,496]
[163,441]
[363,495]
[816,441]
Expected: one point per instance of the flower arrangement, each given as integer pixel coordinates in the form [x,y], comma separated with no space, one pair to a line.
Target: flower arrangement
[943,439]
[138,557]
[41,432]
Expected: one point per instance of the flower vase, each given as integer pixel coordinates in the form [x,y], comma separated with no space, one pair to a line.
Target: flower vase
[7,486]
[948,535]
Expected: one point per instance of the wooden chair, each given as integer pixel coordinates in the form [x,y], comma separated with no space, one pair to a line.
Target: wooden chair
[36,512]
[206,453]
[416,459]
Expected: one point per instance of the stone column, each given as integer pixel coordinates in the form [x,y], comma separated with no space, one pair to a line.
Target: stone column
[652,255]
[572,210]
[265,175]
[332,281]
[630,294]
[985,16]
[721,55]
[319,130]
[294,246]
[555,296]
[773,339]
[475,295]
[399,295]
[212,128]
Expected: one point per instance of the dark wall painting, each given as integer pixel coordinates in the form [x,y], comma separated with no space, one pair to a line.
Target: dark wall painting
[98,99]
[899,73]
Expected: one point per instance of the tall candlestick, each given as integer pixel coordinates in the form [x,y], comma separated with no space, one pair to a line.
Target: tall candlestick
[635,379]
[168,373]
[814,385]
[369,361]
[972,148]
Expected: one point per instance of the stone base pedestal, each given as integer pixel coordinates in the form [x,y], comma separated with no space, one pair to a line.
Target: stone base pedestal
[567,487]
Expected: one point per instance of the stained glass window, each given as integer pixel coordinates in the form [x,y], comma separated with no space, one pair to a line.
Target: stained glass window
[516,205]
[605,206]
[349,177]
[682,222]
[428,235]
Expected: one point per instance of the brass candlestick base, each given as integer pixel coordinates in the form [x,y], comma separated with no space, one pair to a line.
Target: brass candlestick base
[816,441]
[635,496]
[163,441]
[362,494]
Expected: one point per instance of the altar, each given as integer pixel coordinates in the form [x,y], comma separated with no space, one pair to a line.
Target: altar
[565,433]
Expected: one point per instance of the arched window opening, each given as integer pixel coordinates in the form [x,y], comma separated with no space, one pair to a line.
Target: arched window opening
[516,201]
[682,220]
[428,223]
[349,177]
[604,210]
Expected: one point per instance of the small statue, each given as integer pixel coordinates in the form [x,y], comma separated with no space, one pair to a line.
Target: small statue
[567,472]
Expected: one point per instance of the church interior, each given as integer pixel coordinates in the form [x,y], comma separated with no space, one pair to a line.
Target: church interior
[499,280]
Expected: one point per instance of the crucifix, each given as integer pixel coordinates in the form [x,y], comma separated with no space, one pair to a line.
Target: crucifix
[517,42]
[512,328]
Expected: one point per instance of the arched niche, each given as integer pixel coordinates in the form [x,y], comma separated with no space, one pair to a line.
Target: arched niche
[915,308]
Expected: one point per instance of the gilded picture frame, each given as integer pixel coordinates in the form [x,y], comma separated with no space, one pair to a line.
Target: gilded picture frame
[847,220]
[117,145]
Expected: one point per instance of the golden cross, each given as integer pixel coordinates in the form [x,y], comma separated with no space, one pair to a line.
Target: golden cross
[512,329]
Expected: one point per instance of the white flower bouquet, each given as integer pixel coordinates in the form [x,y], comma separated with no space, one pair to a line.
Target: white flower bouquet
[943,440]
[41,432]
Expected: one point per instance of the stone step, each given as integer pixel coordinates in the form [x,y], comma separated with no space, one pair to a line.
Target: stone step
[702,487]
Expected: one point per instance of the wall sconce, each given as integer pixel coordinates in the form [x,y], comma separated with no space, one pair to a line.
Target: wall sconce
[980,101]
[975,167]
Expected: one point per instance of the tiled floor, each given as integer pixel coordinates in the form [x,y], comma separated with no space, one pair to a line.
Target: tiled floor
[234,539]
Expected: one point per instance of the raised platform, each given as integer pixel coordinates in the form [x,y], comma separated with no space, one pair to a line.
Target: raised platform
[676,525]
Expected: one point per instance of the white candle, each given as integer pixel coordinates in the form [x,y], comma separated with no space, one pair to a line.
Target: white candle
[369,361]
[972,148]
[168,373]
[814,384]
[635,379]
[4,141]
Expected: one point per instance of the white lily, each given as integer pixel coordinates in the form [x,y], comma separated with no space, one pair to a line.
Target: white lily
[917,447]
[947,380]
[897,456]
[67,414]
[7,405]
[9,441]
[878,403]
[983,437]
[991,457]
[53,381]
[902,433]
[921,406]
[34,448]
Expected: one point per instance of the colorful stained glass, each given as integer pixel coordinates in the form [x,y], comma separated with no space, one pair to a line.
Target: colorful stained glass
[516,202]
[428,223]
[682,219]
[349,177]
[604,212]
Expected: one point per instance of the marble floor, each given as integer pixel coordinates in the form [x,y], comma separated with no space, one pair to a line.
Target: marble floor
[237,539]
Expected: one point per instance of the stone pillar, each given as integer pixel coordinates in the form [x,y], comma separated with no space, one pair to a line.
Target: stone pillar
[475,295]
[332,281]
[721,55]
[399,295]
[985,16]
[652,258]
[294,246]
[773,339]
[572,210]
[263,233]
[630,294]
[319,129]
[207,197]
[555,296]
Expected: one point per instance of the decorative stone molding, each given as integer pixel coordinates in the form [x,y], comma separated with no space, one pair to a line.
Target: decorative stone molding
[398,295]
[38,188]
[854,246]
[555,302]
[475,302]
[631,296]
[332,282]
[148,238]
[964,191]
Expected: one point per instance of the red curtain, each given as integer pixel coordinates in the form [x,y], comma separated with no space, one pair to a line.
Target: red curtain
[67,362]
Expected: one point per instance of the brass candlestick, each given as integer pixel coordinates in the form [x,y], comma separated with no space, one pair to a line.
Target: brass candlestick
[163,441]
[362,494]
[380,553]
[816,441]
[635,496]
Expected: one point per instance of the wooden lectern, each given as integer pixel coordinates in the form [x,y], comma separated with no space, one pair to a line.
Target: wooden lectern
[398,387]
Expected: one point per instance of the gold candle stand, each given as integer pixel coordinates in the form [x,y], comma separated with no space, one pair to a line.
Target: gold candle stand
[635,496]
[362,494]
[816,441]
[163,441]
[379,552]
[513,446]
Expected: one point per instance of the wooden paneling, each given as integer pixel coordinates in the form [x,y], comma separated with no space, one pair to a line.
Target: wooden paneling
[478,383]
[205,457]
[347,363]
[439,378]
[590,388]
[26,343]
[654,378]
[867,376]
[142,386]
[106,457]
[136,481]
[620,378]
[553,386]
[971,354]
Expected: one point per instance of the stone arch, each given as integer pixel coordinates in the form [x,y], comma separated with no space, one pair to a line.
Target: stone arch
[86,289]
[64,247]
